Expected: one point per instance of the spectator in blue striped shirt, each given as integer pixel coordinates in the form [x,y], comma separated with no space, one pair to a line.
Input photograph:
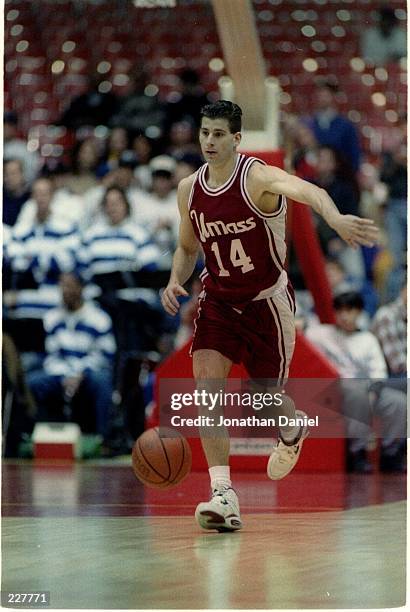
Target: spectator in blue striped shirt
[36,253]
[117,243]
[112,252]
[80,351]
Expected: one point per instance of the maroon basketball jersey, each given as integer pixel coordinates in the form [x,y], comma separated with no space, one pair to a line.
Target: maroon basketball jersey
[244,248]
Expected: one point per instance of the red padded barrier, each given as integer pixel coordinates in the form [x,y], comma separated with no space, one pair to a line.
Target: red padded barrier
[320,455]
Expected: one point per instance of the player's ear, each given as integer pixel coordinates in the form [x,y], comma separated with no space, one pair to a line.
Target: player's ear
[237,137]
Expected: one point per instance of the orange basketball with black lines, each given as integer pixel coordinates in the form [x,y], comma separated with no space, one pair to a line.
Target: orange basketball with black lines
[161,457]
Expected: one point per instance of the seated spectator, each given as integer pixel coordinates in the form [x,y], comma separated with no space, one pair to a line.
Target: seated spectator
[123,177]
[333,129]
[116,243]
[80,352]
[305,151]
[182,139]
[390,328]
[116,145]
[36,253]
[113,251]
[158,210]
[16,148]
[16,190]
[84,162]
[386,41]
[136,109]
[340,282]
[6,272]
[90,108]
[143,147]
[333,175]
[359,360]
[64,206]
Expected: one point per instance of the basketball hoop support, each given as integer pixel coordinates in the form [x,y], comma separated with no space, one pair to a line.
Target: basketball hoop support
[268,137]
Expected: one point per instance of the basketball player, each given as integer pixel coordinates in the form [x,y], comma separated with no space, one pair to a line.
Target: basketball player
[234,207]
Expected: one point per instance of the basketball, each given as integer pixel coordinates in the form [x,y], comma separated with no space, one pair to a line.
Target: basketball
[161,458]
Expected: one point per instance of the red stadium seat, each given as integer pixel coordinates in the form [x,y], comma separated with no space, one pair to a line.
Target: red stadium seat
[108,31]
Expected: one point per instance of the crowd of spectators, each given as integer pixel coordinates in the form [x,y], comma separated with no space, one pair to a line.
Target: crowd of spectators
[325,149]
[88,241]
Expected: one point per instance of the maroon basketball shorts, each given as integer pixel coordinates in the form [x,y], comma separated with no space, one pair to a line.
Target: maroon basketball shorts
[262,336]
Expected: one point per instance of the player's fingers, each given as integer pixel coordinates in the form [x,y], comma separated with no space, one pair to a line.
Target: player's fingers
[170,308]
[360,235]
[368,236]
[366,222]
[170,305]
[371,235]
[363,225]
[368,229]
[170,295]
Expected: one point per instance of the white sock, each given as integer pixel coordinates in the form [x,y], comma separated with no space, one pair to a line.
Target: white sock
[291,433]
[220,476]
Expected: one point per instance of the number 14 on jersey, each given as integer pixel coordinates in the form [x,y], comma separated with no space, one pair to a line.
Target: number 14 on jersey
[237,255]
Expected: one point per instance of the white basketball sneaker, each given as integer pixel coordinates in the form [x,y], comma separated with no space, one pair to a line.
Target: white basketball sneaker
[221,512]
[285,456]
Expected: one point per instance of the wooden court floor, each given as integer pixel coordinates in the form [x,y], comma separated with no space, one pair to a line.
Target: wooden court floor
[94,538]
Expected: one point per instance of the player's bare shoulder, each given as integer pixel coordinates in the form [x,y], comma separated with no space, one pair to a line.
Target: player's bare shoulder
[260,182]
[260,175]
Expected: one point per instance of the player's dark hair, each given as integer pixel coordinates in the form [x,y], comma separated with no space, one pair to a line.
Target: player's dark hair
[223,109]
[349,299]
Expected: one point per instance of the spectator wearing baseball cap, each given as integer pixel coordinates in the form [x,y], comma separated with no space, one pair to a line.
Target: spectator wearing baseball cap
[158,210]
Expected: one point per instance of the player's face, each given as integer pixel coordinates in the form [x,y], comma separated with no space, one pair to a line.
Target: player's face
[218,144]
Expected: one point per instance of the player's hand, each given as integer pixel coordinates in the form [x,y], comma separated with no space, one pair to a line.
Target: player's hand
[355,230]
[169,297]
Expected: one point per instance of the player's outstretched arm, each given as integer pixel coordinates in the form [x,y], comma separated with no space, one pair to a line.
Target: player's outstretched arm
[185,255]
[354,230]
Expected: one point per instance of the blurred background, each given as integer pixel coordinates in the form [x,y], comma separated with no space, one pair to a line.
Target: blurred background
[101,111]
